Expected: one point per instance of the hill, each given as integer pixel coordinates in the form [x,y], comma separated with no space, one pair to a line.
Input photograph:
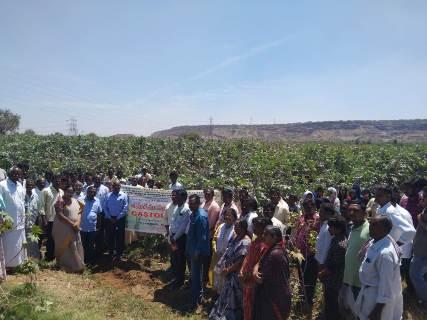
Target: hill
[332,131]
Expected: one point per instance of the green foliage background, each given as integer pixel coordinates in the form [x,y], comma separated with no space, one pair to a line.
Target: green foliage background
[256,164]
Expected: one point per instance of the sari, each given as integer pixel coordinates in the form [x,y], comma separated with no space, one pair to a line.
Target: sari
[68,245]
[229,303]
[220,241]
[273,296]
[255,252]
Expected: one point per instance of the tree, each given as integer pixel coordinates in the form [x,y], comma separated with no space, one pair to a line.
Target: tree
[9,122]
[30,132]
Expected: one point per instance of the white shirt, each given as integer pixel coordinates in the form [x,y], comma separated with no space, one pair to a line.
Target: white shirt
[281,212]
[402,230]
[170,208]
[176,186]
[13,195]
[47,202]
[323,243]
[180,221]
[380,270]
[277,223]
[249,217]
[102,193]
[406,247]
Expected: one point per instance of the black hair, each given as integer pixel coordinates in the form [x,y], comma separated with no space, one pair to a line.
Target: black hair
[193,196]
[366,191]
[208,190]
[233,213]
[293,196]
[173,173]
[328,208]
[252,204]
[227,192]
[242,223]
[182,193]
[384,189]
[360,203]
[338,223]
[274,190]
[263,221]
[385,222]
[24,166]
[275,232]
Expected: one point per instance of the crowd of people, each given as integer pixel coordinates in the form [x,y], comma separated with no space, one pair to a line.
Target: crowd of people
[360,245]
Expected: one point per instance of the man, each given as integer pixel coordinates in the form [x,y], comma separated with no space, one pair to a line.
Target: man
[145,174]
[227,203]
[88,223]
[88,181]
[25,167]
[402,231]
[115,209]
[174,185]
[323,240]
[249,208]
[213,210]
[110,175]
[318,196]
[32,207]
[13,195]
[418,268]
[48,199]
[78,191]
[40,185]
[170,208]
[101,194]
[380,296]
[406,248]
[359,234]
[411,200]
[48,175]
[197,248]
[3,174]
[281,211]
[178,237]
[268,211]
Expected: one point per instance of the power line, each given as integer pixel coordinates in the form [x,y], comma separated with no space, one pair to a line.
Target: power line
[210,126]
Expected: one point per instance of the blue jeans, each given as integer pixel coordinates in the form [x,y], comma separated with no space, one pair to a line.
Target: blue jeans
[418,274]
[197,279]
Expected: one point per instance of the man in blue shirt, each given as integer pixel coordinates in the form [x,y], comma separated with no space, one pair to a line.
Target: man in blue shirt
[88,223]
[116,209]
[197,248]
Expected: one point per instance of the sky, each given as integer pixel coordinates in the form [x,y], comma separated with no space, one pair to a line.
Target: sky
[140,66]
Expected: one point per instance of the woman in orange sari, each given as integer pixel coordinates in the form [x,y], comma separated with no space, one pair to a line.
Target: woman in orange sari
[255,252]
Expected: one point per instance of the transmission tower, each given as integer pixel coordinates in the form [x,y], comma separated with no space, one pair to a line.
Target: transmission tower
[72,127]
[210,126]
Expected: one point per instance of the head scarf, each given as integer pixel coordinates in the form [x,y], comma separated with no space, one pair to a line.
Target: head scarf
[304,196]
[333,194]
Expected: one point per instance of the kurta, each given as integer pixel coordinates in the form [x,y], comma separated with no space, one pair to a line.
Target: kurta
[13,195]
[68,245]
[380,278]
[220,241]
[273,296]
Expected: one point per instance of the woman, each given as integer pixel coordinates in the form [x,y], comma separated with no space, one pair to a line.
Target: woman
[68,246]
[229,304]
[255,251]
[222,237]
[333,198]
[273,296]
[304,239]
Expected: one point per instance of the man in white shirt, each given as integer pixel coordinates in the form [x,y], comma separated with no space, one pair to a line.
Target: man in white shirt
[281,210]
[48,199]
[402,231]
[101,233]
[175,185]
[324,238]
[13,194]
[380,296]
[177,235]
[249,208]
